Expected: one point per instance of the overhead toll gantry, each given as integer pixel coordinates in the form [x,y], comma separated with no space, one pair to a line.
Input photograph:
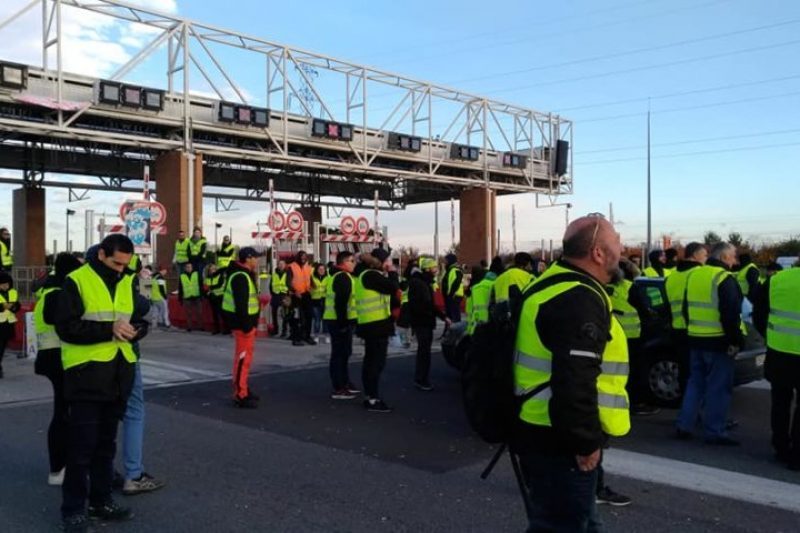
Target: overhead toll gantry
[228,110]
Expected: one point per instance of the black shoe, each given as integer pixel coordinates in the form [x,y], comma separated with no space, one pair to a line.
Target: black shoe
[377,406]
[609,497]
[731,423]
[110,512]
[118,481]
[245,403]
[253,395]
[284,335]
[723,441]
[77,523]
[423,385]
[311,342]
[644,409]
[683,435]
[297,343]
[783,457]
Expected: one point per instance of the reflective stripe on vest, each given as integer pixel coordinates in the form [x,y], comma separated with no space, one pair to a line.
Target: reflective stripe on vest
[6,259]
[228,302]
[279,283]
[512,276]
[783,326]
[319,287]
[9,315]
[478,304]
[330,299]
[98,306]
[371,306]
[46,336]
[404,297]
[533,362]
[676,291]
[190,285]
[451,278]
[626,314]
[182,251]
[224,260]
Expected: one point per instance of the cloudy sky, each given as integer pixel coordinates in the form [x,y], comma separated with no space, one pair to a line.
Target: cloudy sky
[720,77]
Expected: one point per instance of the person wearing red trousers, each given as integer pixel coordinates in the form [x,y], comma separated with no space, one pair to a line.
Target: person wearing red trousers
[240,308]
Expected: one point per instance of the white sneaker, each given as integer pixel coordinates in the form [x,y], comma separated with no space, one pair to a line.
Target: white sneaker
[56,479]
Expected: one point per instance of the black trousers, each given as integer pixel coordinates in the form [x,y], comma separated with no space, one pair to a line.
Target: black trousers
[48,364]
[422,369]
[341,350]
[91,445]
[6,334]
[216,313]
[301,321]
[783,373]
[637,385]
[452,308]
[375,349]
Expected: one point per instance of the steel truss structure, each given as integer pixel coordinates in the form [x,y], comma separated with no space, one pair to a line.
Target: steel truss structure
[57,124]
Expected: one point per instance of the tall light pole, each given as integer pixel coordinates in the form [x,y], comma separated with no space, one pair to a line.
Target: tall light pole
[217,225]
[649,214]
[68,247]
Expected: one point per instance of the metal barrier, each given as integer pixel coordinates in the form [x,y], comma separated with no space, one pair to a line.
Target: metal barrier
[24,277]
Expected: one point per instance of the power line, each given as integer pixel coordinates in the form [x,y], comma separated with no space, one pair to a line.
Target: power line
[690,154]
[691,141]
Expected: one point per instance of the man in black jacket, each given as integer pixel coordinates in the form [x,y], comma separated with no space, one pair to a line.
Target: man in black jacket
[340,316]
[95,388]
[452,288]
[422,314]
[378,275]
[240,309]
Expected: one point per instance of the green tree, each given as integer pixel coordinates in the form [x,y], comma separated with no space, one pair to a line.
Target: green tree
[711,238]
[735,238]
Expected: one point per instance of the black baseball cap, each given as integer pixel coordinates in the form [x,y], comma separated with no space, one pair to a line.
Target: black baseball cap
[247,252]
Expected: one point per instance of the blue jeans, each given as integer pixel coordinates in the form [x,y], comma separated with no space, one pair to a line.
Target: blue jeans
[710,386]
[317,310]
[133,429]
[562,497]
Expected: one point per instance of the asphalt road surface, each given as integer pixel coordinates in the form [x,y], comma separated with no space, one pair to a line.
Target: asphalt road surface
[302,462]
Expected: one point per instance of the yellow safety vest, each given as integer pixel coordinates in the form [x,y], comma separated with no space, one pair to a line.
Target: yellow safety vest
[702,301]
[404,297]
[99,307]
[626,314]
[451,278]
[228,303]
[478,304]
[783,325]
[8,315]
[224,260]
[741,277]
[330,299]
[371,306]
[279,283]
[651,272]
[155,288]
[190,285]
[182,251]
[46,336]
[676,292]
[195,246]
[6,259]
[533,361]
[512,276]
[319,287]
[213,280]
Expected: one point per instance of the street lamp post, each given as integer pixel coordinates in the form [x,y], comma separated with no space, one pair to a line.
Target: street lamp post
[67,245]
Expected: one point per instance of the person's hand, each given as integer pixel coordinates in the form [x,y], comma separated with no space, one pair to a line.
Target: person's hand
[123,330]
[448,322]
[587,463]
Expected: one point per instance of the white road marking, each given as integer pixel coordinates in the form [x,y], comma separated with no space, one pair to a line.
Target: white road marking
[761,384]
[181,368]
[705,479]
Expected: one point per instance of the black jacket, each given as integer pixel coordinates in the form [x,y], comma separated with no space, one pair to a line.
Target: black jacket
[240,319]
[447,290]
[342,288]
[571,325]
[730,311]
[752,282]
[422,311]
[376,281]
[94,381]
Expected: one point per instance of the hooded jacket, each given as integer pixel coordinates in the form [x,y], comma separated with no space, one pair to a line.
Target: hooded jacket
[422,311]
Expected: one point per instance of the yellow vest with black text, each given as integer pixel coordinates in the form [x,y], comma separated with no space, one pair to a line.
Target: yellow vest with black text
[626,314]
[98,306]
[533,361]
[279,283]
[46,336]
[330,299]
[512,276]
[675,286]
[702,301]
[190,285]
[182,251]
[478,304]
[9,315]
[6,259]
[319,287]
[228,302]
[371,306]
[451,278]
[224,260]
[741,277]
[783,325]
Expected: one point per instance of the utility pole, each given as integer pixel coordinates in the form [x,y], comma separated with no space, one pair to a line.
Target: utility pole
[514,227]
[436,231]
[645,259]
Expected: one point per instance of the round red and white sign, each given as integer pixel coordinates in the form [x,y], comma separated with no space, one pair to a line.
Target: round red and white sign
[348,225]
[362,225]
[294,221]
[276,221]
[158,213]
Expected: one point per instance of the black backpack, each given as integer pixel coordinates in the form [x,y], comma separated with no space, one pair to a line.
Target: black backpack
[487,378]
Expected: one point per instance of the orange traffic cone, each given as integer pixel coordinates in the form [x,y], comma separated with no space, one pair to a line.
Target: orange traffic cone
[262,330]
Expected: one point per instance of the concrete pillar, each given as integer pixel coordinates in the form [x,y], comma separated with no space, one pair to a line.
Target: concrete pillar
[27,235]
[171,174]
[478,226]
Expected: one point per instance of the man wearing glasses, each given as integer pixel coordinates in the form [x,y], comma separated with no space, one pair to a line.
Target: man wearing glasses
[570,373]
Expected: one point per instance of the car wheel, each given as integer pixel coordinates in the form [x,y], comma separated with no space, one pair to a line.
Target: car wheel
[665,381]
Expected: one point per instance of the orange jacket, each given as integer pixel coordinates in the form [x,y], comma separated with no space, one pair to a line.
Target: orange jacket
[301,278]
